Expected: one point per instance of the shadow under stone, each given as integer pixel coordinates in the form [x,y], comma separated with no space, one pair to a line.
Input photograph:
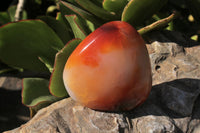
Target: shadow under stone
[12,112]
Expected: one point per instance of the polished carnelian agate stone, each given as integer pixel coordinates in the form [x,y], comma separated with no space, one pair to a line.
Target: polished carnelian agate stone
[110,69]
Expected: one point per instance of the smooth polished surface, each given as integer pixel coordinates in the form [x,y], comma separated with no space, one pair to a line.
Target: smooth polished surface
[110,69]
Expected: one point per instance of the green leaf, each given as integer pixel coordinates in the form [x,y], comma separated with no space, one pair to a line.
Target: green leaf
[90,25]
[114,5]
[56,85]
[22,43]
[86,25]
[69,9]
[35,93]
[137,11]
[59,28]
[34,90]
[12,10]
[76,26]
[96,10]
[4,18]
[40,99]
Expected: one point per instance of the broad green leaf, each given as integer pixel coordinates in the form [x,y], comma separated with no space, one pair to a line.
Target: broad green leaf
[56,85]
[12,10]
[116,6]
[22,43]
[35,93]
[59,28]
[76,26]
[69,9]
[96,10]
[4,18]
[47,99]
[137,11]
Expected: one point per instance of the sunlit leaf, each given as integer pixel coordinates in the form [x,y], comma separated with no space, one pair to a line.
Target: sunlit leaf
[69,9]
[76,26]
[96,10]
[114,5]
[137,11]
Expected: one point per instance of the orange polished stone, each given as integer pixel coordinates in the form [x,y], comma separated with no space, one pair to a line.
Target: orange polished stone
[110,69]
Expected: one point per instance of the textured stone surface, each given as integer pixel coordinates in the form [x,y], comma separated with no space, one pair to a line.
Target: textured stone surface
[173,105]
[197,129]
[10,83]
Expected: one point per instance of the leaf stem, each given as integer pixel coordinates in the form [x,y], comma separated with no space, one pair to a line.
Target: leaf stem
[6,70]
[158,24]
[18,13]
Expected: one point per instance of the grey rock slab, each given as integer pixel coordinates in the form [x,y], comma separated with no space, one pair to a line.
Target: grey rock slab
[197,129]
[180,97]
[10,83]
[68,116]
[154,124]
